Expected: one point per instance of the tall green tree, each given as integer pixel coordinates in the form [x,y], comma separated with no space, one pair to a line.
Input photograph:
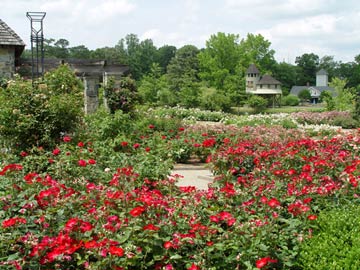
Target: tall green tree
[79,52]
[154,89]
[345,97]
[256,49]
[219,59]
[183,69]
[286,74]
[138,55]
[328,63]
[164,55]
[308,65]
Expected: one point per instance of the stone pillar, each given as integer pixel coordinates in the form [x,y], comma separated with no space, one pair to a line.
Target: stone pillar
[91,93]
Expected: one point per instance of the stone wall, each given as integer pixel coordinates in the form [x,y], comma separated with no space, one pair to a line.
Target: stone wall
[7,62]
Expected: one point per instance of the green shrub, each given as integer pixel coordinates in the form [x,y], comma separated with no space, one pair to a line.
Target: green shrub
[290,100]
[214,100]
[123,97]
[335,243]
[345,121]
[38,115]
[304,95]
[258,103]
[357,105]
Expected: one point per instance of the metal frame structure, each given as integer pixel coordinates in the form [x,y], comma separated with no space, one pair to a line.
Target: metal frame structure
[37,43]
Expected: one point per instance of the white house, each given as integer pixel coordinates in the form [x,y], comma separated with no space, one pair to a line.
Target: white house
[322,84]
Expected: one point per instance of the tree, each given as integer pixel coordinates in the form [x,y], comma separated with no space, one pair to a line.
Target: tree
[183,69]
[153,87]
[328,63]
[79,52]
[345,97]
[308,65]
[219,59]
[304,95]
[105,53]
[138,55]
[164,55]
[61,50]
[286,74]
[256,49]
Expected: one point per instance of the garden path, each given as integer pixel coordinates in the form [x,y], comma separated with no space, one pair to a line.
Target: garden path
[193,174]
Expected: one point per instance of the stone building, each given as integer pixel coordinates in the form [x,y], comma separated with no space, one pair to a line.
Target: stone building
[263,85]
[11,47]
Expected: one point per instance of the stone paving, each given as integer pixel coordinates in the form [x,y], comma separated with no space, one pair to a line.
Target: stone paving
[195,174]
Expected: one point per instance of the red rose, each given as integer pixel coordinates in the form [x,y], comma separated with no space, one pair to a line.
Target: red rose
[117,251]
[137,211]
[66,139]
[82,163]
[92,161]
[56,151]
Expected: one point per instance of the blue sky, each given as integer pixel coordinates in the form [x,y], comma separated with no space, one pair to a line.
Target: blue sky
[294,27]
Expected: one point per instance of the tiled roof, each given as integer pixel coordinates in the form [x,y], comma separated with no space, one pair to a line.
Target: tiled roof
[267,79]
[295,90]
[8,36]
[252,69]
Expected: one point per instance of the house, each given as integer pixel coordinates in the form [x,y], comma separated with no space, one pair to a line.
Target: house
[11,47]
[322,82]
[265,86]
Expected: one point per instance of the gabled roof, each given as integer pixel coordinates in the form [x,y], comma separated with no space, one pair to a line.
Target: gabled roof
[252,69]
[322,72]
[267,79]
[295,90]
[8,36]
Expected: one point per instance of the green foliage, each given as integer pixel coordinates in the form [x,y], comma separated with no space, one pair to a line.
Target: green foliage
[345,121]
[183,68]
[335,243]
[38,115]
[329,100]
[290,100]
[307,64]
[258,103]
[256,49]
[345,97]
[122,95]
[304,95]
[152,87]
[214,100]
[357,105]
[220,59]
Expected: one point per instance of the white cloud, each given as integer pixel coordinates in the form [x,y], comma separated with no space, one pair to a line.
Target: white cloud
[316,26]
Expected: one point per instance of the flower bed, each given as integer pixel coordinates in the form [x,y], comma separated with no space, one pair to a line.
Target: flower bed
[82,206]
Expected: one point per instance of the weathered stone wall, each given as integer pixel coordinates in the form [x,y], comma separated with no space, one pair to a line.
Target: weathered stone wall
[7,62]
[91,93]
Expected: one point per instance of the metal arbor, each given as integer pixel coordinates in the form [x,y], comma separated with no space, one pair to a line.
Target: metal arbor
[37,43]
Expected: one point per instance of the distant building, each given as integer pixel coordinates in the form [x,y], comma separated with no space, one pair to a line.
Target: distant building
[11,47]
[322,82]
[265,86]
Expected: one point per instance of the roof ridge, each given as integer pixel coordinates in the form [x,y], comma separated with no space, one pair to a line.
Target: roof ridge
[8,36]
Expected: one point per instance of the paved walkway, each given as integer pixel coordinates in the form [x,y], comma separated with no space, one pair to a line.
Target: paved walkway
[197,175]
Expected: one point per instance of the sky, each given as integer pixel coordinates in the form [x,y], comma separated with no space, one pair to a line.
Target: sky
[294,27]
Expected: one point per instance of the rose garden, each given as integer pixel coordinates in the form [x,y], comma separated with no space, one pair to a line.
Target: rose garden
[101,195]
